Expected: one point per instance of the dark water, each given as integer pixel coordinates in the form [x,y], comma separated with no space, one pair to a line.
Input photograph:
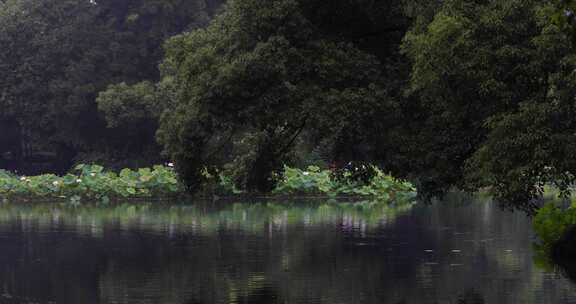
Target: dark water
[466,252]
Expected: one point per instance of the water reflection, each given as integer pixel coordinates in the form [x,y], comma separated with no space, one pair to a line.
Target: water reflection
[297,252]
[205,217]
[471,297]
[560,258]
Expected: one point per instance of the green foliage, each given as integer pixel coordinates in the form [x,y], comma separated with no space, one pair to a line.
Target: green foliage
[57,55]
[480,93]
[262,71]
[358,172]
[129,106]
[310,181]
[51,58]
[551,222]
[219,183]
[91,182]
[551,225]
[531,144]
[131,113]
[315,181]
[562,14]
[495,79]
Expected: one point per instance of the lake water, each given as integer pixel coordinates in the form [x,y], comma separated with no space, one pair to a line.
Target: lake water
[461,251]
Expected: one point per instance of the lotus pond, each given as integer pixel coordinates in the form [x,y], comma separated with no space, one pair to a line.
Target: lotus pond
[92,183]
[461,250]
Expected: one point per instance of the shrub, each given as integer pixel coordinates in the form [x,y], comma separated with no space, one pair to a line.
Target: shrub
[551,222]
[555,228]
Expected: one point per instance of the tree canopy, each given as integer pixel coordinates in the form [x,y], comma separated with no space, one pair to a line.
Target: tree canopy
[264,73]
[58,55]
[495,78]
[456,93]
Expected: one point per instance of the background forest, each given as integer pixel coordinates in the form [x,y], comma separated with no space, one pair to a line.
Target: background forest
[458,93]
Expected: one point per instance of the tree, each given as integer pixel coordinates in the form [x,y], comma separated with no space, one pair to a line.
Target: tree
[132,113]
[51,67]
[57,56]
[252,82]
[495,78]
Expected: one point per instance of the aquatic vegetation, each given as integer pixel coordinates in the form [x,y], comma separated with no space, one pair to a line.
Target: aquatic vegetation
[315,181]
[92,182]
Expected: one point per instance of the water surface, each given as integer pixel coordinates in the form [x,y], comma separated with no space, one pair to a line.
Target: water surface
[299,252]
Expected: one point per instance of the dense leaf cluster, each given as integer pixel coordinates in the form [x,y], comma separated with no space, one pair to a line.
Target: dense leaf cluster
[472,94]
[496,78]
[58,55]
[91,182]
[261,72]
[357,172]
[315,181]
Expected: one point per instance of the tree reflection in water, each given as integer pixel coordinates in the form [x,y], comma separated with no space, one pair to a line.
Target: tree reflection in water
[271,252]
[470,297]
[561,257]
[202,253]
